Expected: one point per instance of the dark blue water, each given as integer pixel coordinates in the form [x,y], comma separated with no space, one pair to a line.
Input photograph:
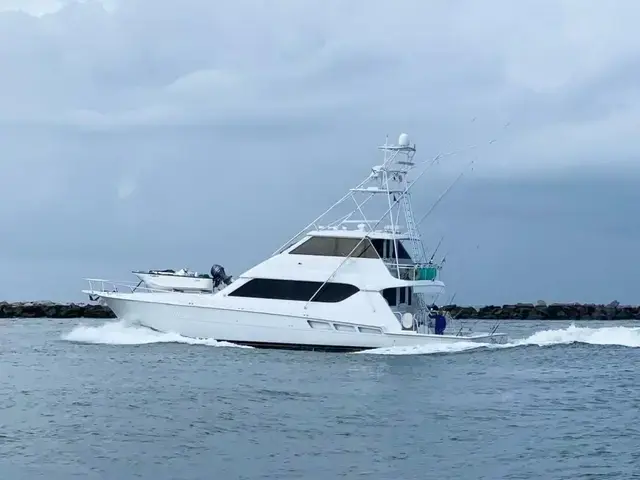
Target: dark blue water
[561,404]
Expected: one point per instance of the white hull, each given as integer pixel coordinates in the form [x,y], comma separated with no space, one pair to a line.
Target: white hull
[169,282]
[267,330]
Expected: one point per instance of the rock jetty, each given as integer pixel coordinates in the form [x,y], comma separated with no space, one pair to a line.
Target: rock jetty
[553,311]
[53,310]
[519,311]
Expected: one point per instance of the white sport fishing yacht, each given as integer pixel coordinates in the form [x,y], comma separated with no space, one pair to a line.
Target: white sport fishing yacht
[353,283]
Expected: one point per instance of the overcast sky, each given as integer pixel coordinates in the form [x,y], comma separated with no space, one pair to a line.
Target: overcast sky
[147,134]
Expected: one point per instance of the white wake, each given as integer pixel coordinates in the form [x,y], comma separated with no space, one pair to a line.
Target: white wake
[123,333]
[620,336]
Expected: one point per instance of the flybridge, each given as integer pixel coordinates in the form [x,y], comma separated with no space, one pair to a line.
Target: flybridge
[390,217]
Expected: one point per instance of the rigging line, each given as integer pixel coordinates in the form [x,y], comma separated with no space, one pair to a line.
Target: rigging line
[436,249]
[458,178]
[359,208]
[469,147]
[366,236]
[350,192]
[347,216]
[340,220]
[288,242]
[388,160]
[442,195]
[318,218]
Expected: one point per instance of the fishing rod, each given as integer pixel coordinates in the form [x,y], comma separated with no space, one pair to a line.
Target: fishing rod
[470,147]
[436,249]
[455,152]
[442,195]
[450,187]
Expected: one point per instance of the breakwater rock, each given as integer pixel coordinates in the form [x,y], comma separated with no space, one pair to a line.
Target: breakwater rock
[519,311]
[553,311]
[53,310]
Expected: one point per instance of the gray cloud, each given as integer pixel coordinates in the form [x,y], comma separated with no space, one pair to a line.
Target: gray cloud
[140,133]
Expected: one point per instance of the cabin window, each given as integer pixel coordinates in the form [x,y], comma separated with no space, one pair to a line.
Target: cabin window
[387,249]
[397,296]
[336,247]
[391,296]
[379,245]
[294,290]
[402,252]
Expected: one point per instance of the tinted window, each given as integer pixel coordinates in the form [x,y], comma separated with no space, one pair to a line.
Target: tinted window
[387,249]
[390,295]
[294,290]
[336,247]
[402,252]
[378,244]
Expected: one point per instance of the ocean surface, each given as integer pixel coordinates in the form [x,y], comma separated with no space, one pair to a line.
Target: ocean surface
[102,400]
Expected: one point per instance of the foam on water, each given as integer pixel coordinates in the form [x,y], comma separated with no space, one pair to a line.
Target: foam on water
[620,336]
[123,333]
[456,347]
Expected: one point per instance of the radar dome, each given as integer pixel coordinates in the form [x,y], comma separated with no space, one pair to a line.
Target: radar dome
[403,140]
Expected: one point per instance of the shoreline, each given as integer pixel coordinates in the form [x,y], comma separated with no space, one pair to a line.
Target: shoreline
[519,311]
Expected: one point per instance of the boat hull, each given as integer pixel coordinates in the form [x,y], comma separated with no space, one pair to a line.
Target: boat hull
[267,330]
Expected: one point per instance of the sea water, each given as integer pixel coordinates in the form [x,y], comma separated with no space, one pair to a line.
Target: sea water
[104,400]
